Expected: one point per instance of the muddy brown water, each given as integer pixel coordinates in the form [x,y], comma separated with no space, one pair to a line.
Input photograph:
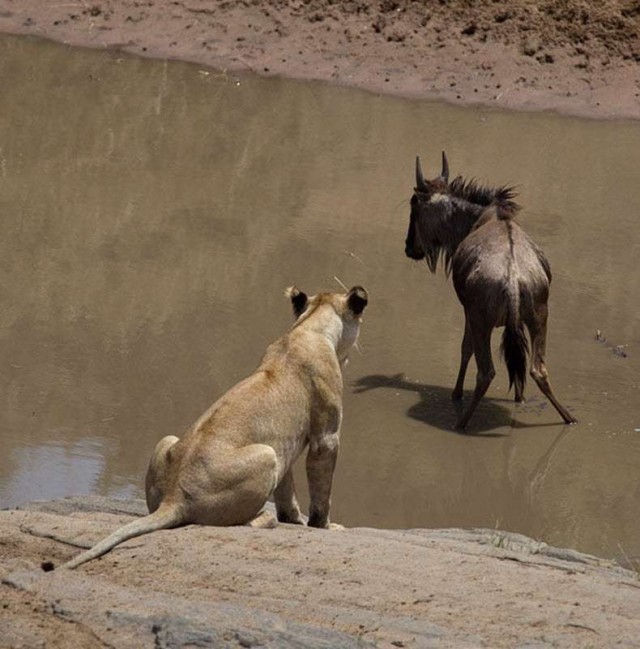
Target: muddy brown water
[152,214]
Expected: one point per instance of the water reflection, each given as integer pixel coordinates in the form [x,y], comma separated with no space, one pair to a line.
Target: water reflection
[55,470]
[152,216]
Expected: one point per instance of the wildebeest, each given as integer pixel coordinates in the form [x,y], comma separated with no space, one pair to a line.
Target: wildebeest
[500,275]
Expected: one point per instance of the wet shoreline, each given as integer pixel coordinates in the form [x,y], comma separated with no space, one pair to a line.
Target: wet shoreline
[381,51]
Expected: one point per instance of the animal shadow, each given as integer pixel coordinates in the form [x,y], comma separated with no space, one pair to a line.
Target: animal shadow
[436,408]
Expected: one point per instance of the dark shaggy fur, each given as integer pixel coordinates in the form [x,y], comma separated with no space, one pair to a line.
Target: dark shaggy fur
[473,192]
[500,275]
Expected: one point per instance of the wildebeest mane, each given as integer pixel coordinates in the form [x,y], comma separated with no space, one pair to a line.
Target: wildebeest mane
[474,192]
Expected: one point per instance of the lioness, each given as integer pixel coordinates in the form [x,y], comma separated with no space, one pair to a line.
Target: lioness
[240,452]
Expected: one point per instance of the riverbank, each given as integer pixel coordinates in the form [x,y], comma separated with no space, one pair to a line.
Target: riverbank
[292,587]
[569,56]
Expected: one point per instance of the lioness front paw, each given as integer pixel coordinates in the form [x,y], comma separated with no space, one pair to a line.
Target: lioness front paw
[293,519]
[335,526]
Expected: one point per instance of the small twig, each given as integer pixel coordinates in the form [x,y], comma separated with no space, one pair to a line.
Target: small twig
[582,626]
[624,554]
[83,545]
[631,564]
[351,254]
[54,537]
[340,282]
[245,63]
[538,564]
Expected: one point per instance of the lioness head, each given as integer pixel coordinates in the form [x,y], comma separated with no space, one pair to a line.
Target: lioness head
[323,309]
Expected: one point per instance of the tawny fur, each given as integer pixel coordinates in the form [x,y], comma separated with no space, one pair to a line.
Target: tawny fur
[241,451]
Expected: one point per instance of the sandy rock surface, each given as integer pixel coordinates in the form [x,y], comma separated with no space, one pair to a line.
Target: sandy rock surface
[298,587]
[568,55]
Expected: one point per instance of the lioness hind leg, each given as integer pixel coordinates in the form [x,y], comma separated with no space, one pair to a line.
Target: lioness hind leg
[155,482]
[234,487]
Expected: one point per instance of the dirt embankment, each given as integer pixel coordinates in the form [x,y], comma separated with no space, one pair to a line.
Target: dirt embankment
[293,587]
[573,56]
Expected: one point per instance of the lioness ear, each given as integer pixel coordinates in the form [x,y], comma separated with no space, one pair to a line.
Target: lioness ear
[298,300]
[357,299]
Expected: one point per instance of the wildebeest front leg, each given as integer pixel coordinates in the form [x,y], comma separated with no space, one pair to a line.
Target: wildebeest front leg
[486,372]
[538,333]
[466,352]
[287,506]
[321,463]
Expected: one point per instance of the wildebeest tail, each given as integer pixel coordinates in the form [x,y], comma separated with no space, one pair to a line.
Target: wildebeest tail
[164,517]
[515,347]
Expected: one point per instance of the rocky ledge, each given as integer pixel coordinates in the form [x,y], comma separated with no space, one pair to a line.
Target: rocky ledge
[299,587]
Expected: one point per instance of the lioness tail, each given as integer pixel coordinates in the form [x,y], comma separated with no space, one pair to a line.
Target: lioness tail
[165,517]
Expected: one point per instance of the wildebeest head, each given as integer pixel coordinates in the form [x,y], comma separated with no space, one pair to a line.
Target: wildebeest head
[430,209]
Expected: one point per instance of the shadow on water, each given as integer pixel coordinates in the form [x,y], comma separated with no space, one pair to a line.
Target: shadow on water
[436,408]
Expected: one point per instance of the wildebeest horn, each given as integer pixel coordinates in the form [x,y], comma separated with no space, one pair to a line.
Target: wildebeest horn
[445,168]
[420,182]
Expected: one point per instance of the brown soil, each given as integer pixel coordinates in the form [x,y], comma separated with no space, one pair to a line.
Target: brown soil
[568,55]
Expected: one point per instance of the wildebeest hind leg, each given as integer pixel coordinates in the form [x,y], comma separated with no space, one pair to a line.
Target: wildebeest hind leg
[486,372]
[539,372]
